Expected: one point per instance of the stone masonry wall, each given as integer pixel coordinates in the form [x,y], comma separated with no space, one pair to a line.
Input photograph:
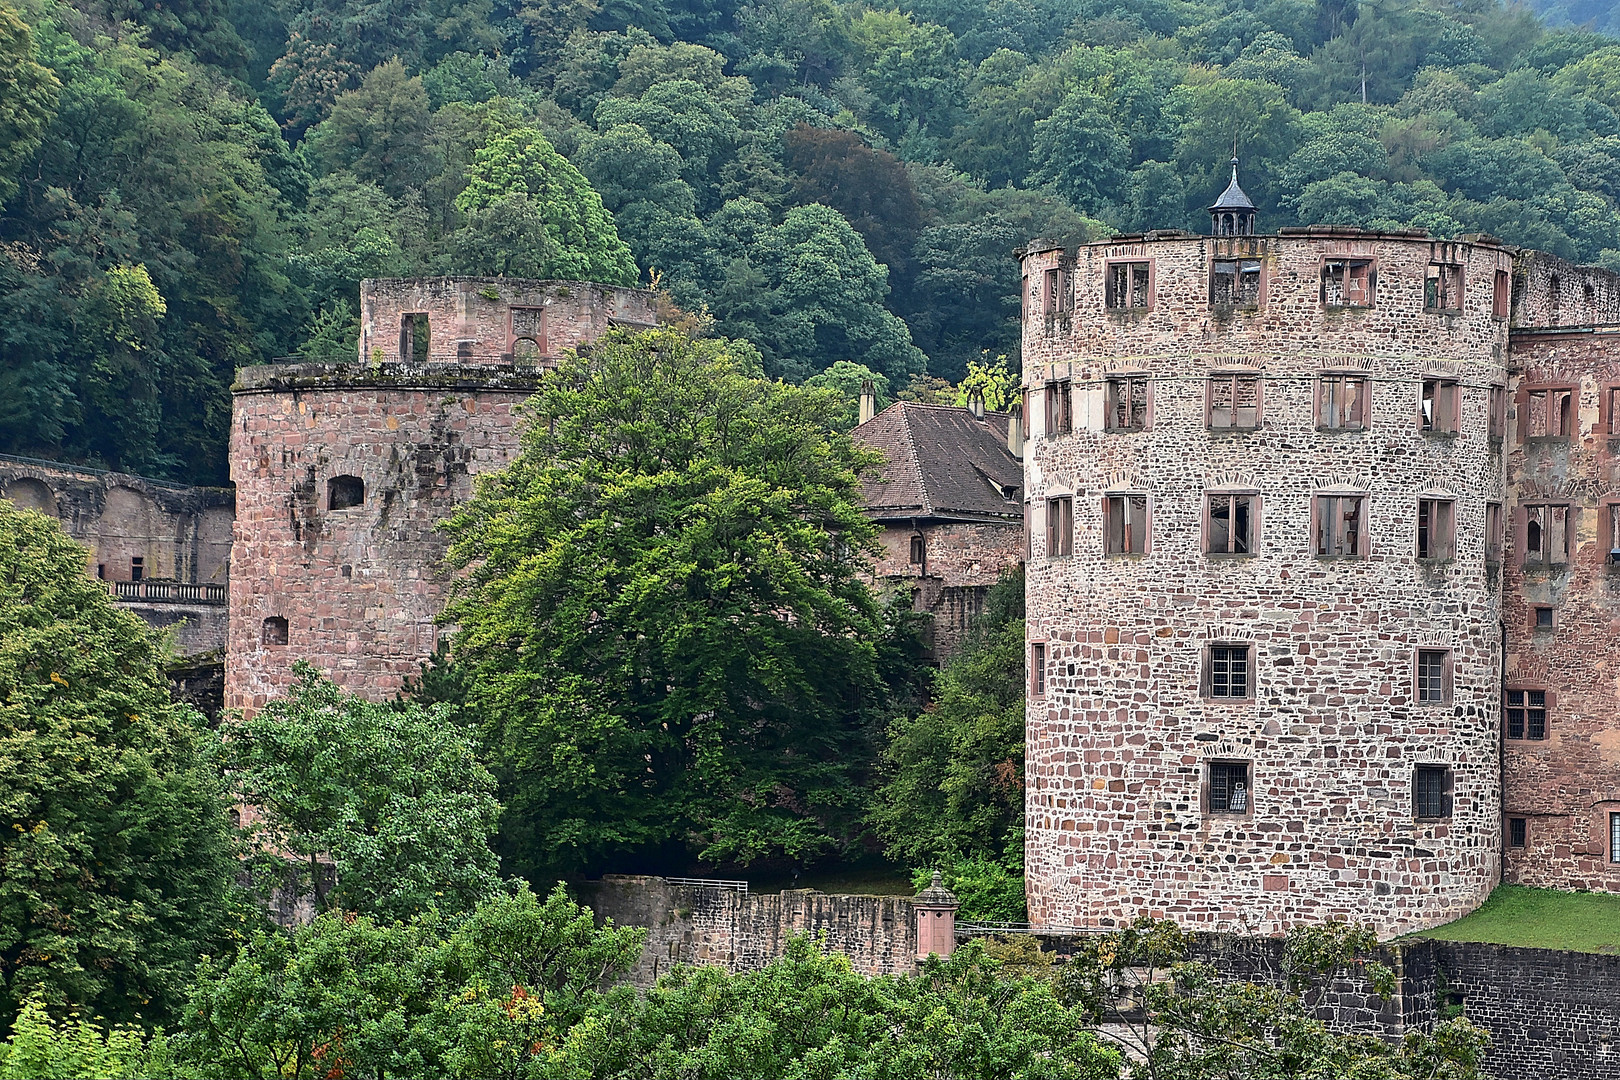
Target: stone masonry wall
[1549,292]
[1119,749]
[1566,786]
[359,588]
[962,560]
[493,320]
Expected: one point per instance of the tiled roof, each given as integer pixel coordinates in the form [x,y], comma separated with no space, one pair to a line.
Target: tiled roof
[941,462]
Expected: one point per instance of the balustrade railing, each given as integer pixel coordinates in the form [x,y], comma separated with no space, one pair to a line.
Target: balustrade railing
[169,592]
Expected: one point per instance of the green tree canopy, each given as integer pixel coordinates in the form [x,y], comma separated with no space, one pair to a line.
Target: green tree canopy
[29,101]
[117,861]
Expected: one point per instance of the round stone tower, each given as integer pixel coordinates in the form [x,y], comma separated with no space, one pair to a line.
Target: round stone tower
[1265,476]
[343,471]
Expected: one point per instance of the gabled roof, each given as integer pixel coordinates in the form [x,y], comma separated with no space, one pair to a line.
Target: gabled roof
[942,462]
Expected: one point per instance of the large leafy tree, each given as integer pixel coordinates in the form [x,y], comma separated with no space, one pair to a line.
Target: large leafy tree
[393,794]
[663,617]
[117,862]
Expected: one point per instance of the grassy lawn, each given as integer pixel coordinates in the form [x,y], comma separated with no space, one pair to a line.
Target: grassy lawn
[1540,919]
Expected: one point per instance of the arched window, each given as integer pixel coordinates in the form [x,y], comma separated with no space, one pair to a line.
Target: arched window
[275,631]
[343,492]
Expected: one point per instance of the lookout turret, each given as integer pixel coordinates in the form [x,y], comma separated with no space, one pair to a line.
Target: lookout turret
[1233,213]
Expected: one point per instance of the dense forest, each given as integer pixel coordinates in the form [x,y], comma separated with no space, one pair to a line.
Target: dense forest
[191,186]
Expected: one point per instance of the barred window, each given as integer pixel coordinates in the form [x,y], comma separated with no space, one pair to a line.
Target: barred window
[1526,714]
[1228,787]
[1431,790]
[1516,832]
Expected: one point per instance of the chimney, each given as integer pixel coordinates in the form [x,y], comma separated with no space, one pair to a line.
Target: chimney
[868,401]
[1015,430]
[976,403]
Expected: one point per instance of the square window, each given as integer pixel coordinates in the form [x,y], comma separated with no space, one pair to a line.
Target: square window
[1341,526]
[1129,286]
[1541,617]
[1443,287]
[1126,524]
[1059,408]
[1234,402]
[1230,671]
[1127,403]
[1546,535]
[1431,791]
[1434,529]
[1493,534]
[1341,402]
[1525,713]
[1432,685]
[1498,420]
[1348,283]
[1229,787]
[1438,414]
[1516,832]
[1549,413]
[1060,526]
[1231,524]
[1037,669]
[274,631]
[1501,295]
[1235,283]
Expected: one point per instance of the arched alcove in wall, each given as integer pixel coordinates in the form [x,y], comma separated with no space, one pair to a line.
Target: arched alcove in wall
[32,494]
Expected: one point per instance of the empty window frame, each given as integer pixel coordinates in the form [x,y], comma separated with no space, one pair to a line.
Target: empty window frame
[1231,523]
[1549,413]
[1443,287]
[1341,526]
[1525,713]
[1052,291]
[1609,519]
[274,631]
[1037,669]
[1436,532]
[1129,286]
[1229,672]
[1493,534]
[1438,406]
[1516,832]
[1060,526]
[137,568]
[344,492]
[1059,407]
[1546,534]
[1608,421]
[919,549]
[1498,419]
[1341,402]
[1235,283]
[1501,294]
[1233,402]
[414,337]
[1431,791]
[1348,283]
[1127,400]
[1229,787]
[1431,677]
[1125,524]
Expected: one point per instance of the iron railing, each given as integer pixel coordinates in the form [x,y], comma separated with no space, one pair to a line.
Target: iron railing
[709,883]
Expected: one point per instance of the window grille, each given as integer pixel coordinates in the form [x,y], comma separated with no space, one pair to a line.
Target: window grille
[1526,714]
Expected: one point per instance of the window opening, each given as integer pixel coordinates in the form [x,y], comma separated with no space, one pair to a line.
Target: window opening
[919,548]
[1429,791]
[1546,535]
[414,337]
[1231,524]
[1128,285]
[1229,671]
[1228,787]
[1493,534]
[1347,283]
[1614,838]
[345,492]
[1526,714]
[1037,669]
[274,631]
[1516,831]
[1439,405]
[1549,413]
[1235,283]
[1059,408]
[1234,401]
[1500,295]
[1431,676]
[137,568]
[1434,539]
[1338,525]
[1127,403]
[1051,291]
[1060,526]
[1614,533]
[1442,288]
[1342,402]
[1498,420]
[1127,524]
[1543,617]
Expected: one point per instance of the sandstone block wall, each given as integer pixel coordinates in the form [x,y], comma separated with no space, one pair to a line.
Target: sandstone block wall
[1120,745]
[1565,787]
[961,561]
[1551,292]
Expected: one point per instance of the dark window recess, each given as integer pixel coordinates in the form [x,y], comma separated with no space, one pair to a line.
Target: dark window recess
[1348,283]
[275,631]
[1060,526]
[1546,535]
[137,568]
[1229,675]
[1127,404]
[1493,534]
[1526,714]
[1434,538]
[1543,617]
[1443,288]
[1500,295]
[1234,401]
[1231,524]
[1549,413]
[1059,408]
[1516,832]
[1127,524]
[1338,525]
[1228,787]
[1128,286]
[1235,283]
[414,337]
[1439,406]
[1342,402]
[1430,791]
[1037,670]
[344,492]
[101,570]
[1431,676]
[919,548]
[1050,292]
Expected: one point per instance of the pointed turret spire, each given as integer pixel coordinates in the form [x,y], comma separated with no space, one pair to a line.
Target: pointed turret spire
[1233,213]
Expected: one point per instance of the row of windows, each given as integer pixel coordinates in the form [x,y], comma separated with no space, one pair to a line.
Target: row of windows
[1238,284]
[1234,401]
[1518,835]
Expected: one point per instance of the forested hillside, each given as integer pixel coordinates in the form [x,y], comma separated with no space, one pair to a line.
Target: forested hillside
[191,186]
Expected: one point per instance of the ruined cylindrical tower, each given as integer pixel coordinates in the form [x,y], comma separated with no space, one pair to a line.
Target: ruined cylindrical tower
[343,471]
[1265,477]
